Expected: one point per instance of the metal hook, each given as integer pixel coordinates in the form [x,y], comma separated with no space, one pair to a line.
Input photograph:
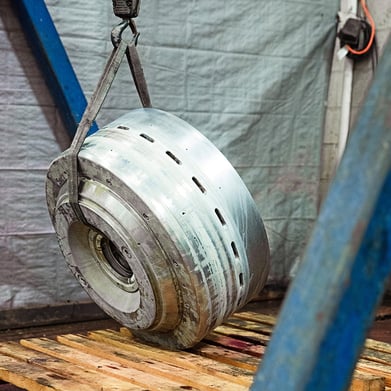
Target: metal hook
[116,32]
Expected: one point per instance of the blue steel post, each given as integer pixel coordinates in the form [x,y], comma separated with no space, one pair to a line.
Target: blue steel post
[332,300]
[54,62]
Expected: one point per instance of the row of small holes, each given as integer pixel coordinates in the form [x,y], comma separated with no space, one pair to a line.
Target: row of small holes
[203,190]
[169,153]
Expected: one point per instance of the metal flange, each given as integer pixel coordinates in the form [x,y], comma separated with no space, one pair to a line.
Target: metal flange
[172,242]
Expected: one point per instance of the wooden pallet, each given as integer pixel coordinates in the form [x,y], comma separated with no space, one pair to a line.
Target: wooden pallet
[113,360]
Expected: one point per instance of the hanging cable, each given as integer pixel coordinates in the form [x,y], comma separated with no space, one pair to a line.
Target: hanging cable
[372,34]
[358,36]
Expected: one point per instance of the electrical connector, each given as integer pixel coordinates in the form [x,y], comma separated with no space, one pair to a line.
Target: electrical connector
[355,35]
[350,32]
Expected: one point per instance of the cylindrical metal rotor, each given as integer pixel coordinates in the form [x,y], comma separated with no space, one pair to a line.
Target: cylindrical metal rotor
[173,243]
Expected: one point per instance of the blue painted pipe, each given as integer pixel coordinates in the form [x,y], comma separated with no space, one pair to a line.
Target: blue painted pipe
[331,302]
[54,62]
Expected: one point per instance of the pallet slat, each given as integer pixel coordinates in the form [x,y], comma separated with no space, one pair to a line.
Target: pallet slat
[184,359]
[31,377]
[236,344]
[114,360]
[101,366]
[188,377]
[367,382]
[247,335]
[63,369]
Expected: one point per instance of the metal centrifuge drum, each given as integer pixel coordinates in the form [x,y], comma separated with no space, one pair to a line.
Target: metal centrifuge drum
[173,243]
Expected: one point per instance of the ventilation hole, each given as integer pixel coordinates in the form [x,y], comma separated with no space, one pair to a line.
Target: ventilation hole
[173,157]
[234,249]
[221,218]
[198,183]
[150,139]
[122,127]
[241,282]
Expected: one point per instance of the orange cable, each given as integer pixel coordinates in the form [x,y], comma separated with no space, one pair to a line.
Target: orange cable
[372,37]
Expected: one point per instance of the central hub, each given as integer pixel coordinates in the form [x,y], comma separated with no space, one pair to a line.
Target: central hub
[113,262]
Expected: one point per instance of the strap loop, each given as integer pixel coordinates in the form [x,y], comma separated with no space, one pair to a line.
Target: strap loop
[121,47]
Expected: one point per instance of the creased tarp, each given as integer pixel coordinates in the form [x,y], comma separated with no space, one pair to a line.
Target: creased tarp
[251,76]
[32,269]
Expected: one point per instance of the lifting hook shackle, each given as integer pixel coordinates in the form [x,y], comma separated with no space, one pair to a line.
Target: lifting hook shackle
[126,9]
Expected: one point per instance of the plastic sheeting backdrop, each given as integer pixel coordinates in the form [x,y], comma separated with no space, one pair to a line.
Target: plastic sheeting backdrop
[252,76]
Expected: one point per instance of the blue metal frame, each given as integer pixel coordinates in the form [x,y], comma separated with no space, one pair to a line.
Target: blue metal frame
[331,302]
[54,62]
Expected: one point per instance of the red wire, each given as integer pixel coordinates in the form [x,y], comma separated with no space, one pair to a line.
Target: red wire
[372,37]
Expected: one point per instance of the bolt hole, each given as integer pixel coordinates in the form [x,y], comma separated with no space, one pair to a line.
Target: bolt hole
[220,217]
[122,127]
[199,185]
[173,157]
[235,250]
[148,138]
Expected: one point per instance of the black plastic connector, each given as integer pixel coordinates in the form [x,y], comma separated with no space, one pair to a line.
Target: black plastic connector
[356,33]
[350,32]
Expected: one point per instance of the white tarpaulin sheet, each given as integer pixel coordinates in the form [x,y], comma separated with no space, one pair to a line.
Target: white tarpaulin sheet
[251,76]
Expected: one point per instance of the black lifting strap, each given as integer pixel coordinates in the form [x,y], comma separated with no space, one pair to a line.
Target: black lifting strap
[125,9]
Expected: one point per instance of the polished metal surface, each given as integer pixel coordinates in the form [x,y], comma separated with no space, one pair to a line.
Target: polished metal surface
[174,243]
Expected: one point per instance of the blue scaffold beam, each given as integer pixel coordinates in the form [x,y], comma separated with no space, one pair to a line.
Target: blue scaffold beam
[332,301]
[53,60]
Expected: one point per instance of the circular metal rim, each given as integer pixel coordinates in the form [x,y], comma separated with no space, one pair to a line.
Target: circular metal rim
[191,299]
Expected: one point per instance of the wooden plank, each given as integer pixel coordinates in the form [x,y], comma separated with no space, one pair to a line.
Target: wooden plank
[367,382]
[225,360]
[226,356]
[375,355]
[249,325]
[375,368]
[242,334]
[235,344]
[185,359]
[378,345]
[139,361]
[132,377]
[64,369]
[33,378]
[254,316]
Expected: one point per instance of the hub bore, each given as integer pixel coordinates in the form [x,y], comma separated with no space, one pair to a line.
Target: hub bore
[113,262]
